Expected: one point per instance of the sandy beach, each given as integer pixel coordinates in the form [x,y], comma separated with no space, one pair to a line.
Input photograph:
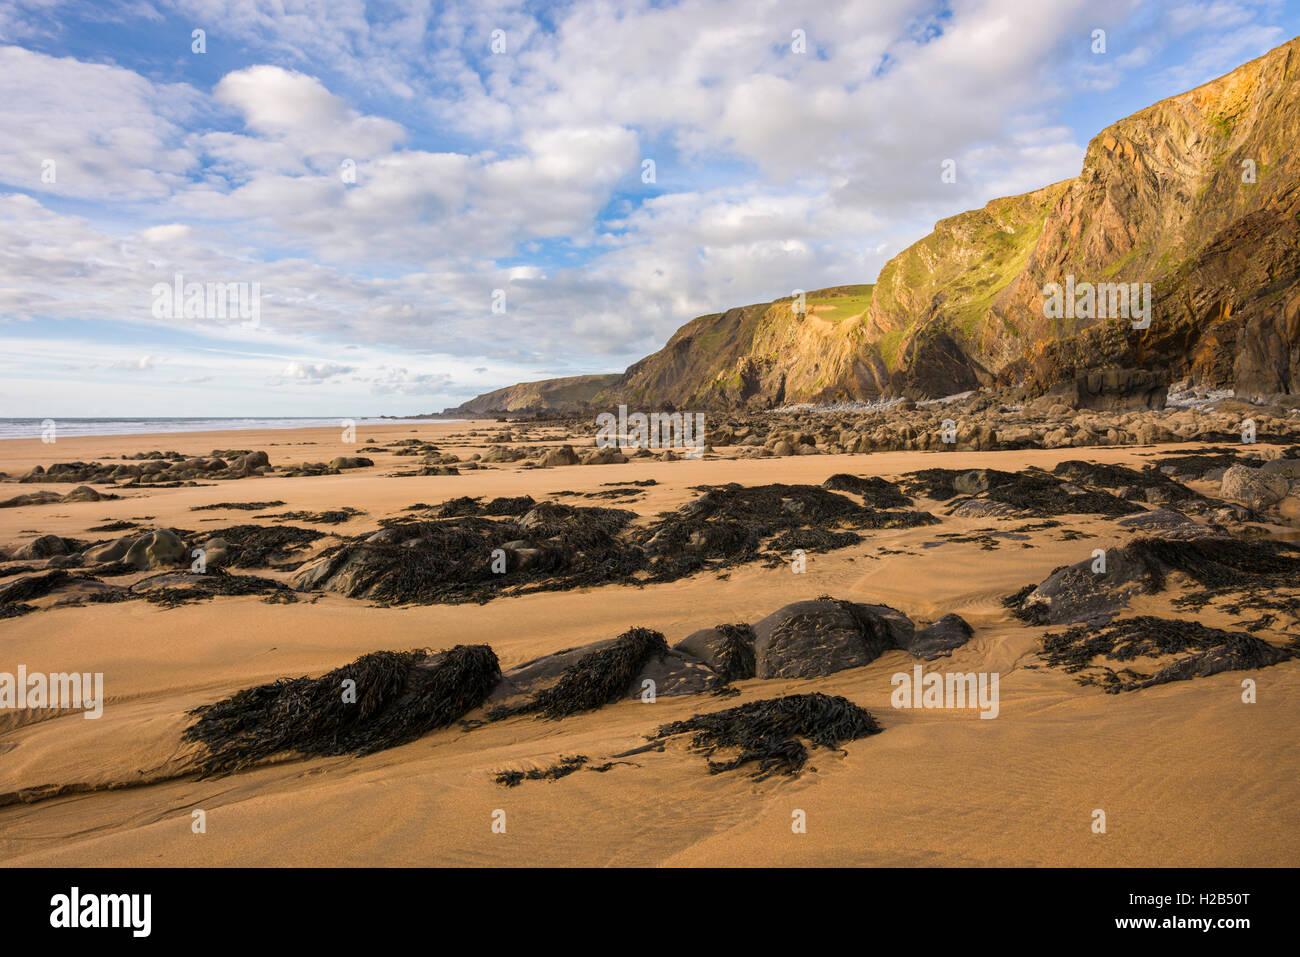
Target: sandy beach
[1186,773]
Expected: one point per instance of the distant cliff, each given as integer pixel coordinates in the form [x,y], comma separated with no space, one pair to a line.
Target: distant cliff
[1198,195]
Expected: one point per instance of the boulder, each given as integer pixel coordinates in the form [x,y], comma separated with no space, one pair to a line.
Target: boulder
[82,493]
[32,498]
[809,639]
[216,552]
[564,455]
[1254,487]
[158,549]
[47,546]
[949,632]
[727,649]
[604,456]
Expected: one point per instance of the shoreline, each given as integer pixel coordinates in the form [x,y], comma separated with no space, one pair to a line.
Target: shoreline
[268,424]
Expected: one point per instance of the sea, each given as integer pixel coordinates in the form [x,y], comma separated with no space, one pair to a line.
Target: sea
[36,428]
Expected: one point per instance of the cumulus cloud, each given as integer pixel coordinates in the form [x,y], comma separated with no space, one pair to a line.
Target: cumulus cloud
[312,372]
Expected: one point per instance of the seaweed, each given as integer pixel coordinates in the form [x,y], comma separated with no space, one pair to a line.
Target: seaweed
[1146,636]
[1221,564]
[1157,488]
[1042,494]
[812,539]
[877,492]
[562,768]
[256,546]
[455,507]
[516,505]
[597,678]
[1202,461]
[238,506]
[555,546]
[735,658]
[333,516]
[769,731]
[1033,491]
[727,524]
[218,581]
[399,696]
[35,586]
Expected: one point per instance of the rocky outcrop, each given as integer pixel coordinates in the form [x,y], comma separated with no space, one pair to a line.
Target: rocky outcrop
[552,395]
[1116,390]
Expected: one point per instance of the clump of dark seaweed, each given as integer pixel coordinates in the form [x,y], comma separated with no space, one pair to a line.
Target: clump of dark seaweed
[420,561]
[450,560]
[398,696]
[735,659]
[1032,491]
[810,539]
[1263,573]
[1033,614]
[35,586]
[218,581]
[456,507]
[1155,487]
[256,546]
[238,506]
[1222,564]
[933,483]
[562,768]
[120,526]
[575,525]
[1041,494]
[597,678]
[1198,463]
[771,732]
[516,505]
[1145,636]
[332,516]
[727,524]
[875,491]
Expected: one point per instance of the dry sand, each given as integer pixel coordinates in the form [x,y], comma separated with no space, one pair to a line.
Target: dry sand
[1186,773]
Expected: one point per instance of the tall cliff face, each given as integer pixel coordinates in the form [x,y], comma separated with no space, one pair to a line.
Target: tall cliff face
[1198,195]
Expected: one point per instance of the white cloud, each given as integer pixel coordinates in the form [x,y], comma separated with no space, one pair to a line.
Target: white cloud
[169,233]
[313,372]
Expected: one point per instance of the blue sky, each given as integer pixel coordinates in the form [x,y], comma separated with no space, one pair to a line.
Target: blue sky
[511,176]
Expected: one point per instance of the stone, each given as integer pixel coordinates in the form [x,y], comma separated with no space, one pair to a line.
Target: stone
[1254,487]
[564,455]
[949,632]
